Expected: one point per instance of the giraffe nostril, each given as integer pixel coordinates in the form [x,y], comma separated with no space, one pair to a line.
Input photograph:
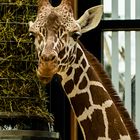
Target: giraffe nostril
[50,57]
[53,58]
[43,57]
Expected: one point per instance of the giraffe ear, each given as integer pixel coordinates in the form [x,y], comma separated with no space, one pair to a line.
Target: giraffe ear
[90,19]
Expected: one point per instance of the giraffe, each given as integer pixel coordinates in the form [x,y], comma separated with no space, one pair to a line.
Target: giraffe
[96,105]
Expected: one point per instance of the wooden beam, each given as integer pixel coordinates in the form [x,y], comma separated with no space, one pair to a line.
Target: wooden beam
[74,128]
[73,121]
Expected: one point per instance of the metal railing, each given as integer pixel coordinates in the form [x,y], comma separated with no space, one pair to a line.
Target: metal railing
[126,43]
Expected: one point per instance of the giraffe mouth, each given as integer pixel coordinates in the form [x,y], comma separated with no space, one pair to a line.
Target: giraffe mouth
[43,78]
[46,71]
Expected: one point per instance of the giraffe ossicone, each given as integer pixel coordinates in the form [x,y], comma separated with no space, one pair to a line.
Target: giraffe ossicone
[97,107]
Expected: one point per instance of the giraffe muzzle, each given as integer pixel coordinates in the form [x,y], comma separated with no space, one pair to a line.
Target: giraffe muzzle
[46,70]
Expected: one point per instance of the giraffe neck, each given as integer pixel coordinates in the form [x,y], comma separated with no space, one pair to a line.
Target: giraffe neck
[95,111]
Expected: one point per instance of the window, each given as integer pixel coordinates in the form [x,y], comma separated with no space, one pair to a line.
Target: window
[121,55]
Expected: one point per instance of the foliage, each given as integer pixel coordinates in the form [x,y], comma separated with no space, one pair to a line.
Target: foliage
[20,90]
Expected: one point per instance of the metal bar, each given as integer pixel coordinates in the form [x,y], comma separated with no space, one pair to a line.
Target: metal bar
[28,133]
[18,79]
[115,57]
[114,9]
[128,101]
[120,25]
[137,68]
[17,115]
[127,9]
[20,60]
[128,97]
[20,23]
[137,80]
[115,73]
[23,42]
[107,25]
[15,4]
[10,97]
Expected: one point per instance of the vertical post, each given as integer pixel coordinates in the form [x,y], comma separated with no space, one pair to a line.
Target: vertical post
[115,73]
[75,8]
[137,68]
[73,120]
[74,127]
[128,97]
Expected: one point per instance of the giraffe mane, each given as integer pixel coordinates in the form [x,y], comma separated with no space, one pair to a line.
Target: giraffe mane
[113,94]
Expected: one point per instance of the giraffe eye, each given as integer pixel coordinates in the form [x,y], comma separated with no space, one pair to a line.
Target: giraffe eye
[76,35]
[32,35]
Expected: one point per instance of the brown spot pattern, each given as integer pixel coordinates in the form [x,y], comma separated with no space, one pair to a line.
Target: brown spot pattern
[99,96]
[94,128]
[83,63]
[65,59]
[79,54]
[77,75]
[115,125]
[91,76]
[65,37]
[61,54]
[69,85]
[71,59]
[83,83]
[69,71]
[80,102]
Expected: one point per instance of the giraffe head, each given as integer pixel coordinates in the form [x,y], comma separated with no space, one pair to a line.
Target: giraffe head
[56,33]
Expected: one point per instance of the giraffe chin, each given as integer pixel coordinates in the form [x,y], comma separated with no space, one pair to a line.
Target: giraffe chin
[44,79]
